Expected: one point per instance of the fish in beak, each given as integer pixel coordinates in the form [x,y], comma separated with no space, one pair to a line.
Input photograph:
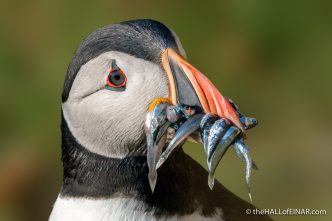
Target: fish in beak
[194,110]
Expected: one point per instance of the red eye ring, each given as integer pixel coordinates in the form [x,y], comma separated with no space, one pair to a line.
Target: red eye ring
[116,79]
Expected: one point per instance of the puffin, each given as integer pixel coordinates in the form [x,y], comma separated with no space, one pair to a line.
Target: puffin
[115,75]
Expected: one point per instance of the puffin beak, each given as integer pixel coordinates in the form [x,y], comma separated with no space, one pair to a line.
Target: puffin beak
[189,86]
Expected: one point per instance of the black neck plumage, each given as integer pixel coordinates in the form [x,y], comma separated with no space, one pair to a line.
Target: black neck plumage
[91,175]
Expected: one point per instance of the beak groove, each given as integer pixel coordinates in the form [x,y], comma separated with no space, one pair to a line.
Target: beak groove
[189,86]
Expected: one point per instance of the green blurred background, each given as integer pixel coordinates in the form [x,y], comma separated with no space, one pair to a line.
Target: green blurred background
[273,58]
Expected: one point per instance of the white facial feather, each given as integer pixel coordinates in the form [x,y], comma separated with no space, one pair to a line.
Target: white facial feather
[107,122]
[120,208]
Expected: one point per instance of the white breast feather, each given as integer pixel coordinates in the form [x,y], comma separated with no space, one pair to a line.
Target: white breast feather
[118,209]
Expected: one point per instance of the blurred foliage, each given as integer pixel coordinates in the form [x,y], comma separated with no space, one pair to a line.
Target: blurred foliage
[273,58]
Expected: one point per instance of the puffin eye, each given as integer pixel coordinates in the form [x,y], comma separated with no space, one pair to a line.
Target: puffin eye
[116,79]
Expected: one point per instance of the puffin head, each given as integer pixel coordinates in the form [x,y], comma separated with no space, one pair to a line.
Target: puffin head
[115,75]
